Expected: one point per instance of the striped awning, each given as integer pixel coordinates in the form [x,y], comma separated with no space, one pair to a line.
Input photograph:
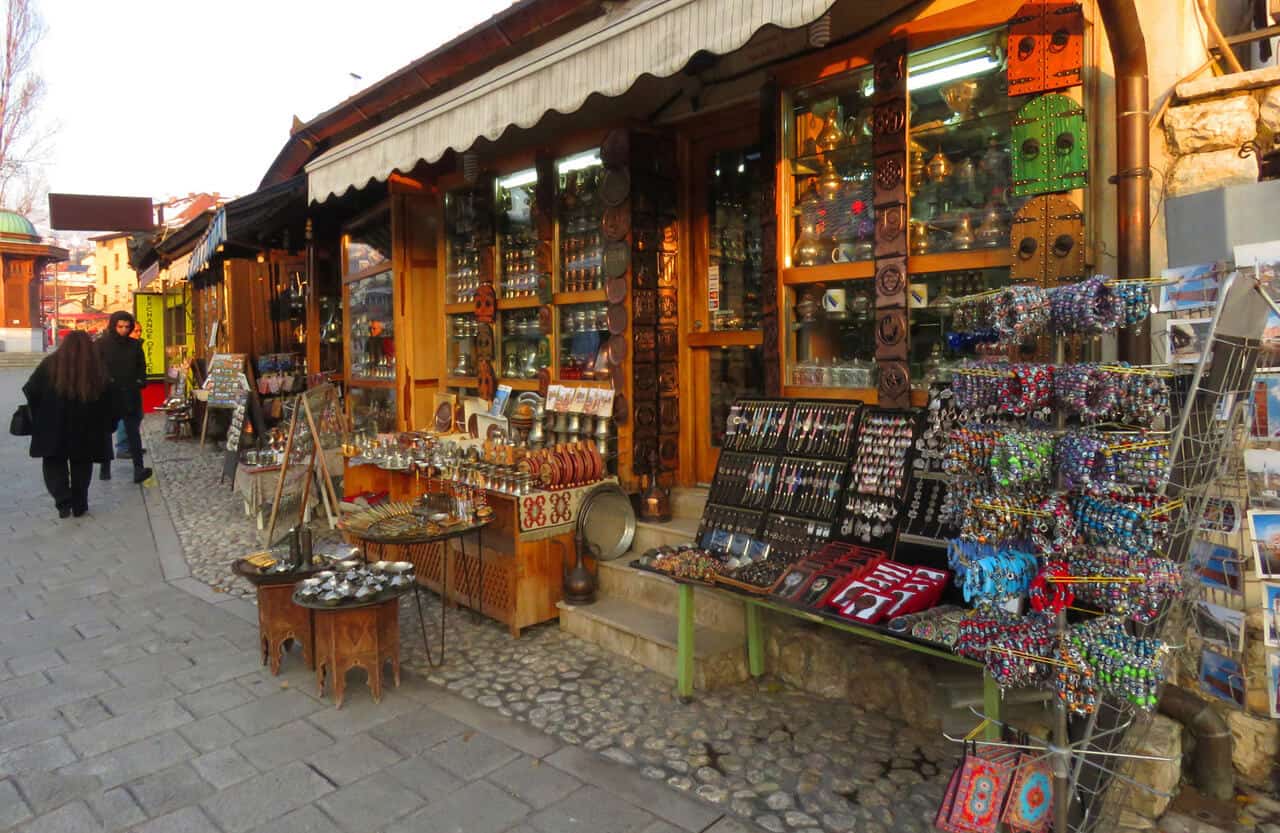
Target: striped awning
[606,55]
[213,237]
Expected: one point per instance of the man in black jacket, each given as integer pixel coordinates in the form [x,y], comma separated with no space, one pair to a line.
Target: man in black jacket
[127,368]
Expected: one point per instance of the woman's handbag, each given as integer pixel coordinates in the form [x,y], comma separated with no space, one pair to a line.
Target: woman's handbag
[20,424]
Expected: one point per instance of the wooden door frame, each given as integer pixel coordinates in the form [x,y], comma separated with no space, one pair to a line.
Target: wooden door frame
[697,141]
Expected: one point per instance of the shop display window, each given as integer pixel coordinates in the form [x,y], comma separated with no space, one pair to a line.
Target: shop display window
[364,254]
[462,254]
[373,410]
[832,334]
[521,271]
[932,297]
[959,152]
[524,349]
[584,334]
[578,211]
[461,345]
[735,373]
[733,239]
[833,215]
[372,336]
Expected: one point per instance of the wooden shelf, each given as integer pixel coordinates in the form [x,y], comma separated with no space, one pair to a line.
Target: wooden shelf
[727,338]
[588,297]
[829,273]
[372,383]
[459,309]
[868,396]
[519,384]
[519,303]
[582,383]
[960,261]
[461,382]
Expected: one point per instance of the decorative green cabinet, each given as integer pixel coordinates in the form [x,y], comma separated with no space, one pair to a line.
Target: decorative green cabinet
[1050,146]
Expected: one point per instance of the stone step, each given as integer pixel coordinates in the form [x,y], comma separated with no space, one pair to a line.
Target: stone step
[20,359]
[619,580]
[649,637]
[650,534]
[688,501]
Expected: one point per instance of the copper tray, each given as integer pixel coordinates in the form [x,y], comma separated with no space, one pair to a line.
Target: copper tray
[616,289]
[617,319]
[246,570]
[617,257]
[617,350]
[615,186]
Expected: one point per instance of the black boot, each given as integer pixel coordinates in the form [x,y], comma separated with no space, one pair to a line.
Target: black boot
[105,474]
[140,475]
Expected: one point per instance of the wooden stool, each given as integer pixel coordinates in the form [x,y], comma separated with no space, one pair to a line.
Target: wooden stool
[366,636]
[280,620]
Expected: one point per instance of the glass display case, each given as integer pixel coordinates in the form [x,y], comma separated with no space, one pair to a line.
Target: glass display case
[372,409]
[584,334]
[832,335]
[371,339]
[833,219]
[523,349]
[460,345]
[959,151]
[733,239]
[579,210]
[462,254]
[521,271]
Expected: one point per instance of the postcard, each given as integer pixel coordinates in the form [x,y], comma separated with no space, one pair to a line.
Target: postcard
[1273,682]
[1189,339]
[1192,287]
[1266,405]
[1271,614]
[1221,626]
[1222,677]
[1217,566]
[1221,515]
[1262,469]
[1264,524]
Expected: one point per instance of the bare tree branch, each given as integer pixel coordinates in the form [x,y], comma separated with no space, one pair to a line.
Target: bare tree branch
[22,143]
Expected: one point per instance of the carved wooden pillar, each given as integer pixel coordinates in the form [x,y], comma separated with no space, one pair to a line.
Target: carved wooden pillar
[890,174]
[770,145]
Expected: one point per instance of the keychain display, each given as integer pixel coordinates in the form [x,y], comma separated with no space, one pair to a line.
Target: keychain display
[1136,523]
[1019,390]
[1090,460]
[991,575]
[1019,313]
[1047,593]
[924,508]
[1123,665]
[1136,586]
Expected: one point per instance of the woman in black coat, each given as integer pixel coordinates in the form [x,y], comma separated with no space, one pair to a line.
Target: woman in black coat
[71,420]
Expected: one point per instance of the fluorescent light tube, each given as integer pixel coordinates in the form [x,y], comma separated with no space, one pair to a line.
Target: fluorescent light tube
[519,178]
[934,77]
[579,161]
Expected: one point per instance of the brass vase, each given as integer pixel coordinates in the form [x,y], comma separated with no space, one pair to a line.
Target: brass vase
[579,583]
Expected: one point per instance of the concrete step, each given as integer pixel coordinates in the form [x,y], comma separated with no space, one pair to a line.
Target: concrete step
[649,637]
[619,580]
[688,502]
[20,359]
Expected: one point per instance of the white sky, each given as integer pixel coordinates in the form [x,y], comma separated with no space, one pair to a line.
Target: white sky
[162,97]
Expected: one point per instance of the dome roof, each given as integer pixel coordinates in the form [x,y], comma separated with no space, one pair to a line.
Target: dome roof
[14,226]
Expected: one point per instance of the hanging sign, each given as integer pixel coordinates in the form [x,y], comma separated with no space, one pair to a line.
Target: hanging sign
[148,311]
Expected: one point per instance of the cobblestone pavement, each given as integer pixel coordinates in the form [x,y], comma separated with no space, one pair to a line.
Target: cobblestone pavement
[759,751]
[132,698]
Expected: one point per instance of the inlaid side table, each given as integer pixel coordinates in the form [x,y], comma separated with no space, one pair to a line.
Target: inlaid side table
[356,635]
[280,620]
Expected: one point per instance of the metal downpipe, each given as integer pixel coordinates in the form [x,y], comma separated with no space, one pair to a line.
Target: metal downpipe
[1133,158]
[1211,770]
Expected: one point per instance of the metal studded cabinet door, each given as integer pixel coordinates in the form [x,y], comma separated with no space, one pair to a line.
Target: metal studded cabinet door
[1026,50]
[1046,46]
[1050,145]
[1063,241]
[1026,243]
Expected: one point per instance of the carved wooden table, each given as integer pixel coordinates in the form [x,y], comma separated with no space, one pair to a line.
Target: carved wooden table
[356,635]
[280,620]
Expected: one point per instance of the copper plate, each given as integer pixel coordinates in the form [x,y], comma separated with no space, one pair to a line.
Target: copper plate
[616,147]
[617,319]
[617,350]
[616,258]
[616,290]
[616,222]
[615,187]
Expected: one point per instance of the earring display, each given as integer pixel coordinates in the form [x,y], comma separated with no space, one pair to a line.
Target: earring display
[878,476]
[822,430]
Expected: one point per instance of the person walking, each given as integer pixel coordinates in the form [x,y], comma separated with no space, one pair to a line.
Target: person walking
[71,420]
[127,371]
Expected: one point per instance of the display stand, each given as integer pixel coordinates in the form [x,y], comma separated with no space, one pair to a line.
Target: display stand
[229,377]
[320,435]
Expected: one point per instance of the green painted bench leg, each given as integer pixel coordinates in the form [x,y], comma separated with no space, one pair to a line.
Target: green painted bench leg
[991,705]
[755,640]
[684,644]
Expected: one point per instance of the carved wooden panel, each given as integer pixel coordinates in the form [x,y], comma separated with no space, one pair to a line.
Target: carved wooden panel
[889,181]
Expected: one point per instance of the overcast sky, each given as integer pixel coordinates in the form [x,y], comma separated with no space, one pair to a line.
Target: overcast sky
[157,98]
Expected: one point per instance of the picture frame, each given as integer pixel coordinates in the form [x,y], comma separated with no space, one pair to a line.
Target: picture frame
[1219,626]
[1187,339]
[1222,677]
[1271,614]
[1264,526]
[1273,682]
[1218,567]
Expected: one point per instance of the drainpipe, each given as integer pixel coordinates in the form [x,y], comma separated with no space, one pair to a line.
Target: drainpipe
[1211,768]
[1133,158]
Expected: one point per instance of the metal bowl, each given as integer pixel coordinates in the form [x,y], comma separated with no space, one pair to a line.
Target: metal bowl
[400,567]
[607,521]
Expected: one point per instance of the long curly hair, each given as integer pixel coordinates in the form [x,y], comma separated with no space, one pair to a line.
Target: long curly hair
[76,368]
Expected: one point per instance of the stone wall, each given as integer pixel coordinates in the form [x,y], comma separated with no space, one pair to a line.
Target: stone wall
[1211,120]
[836,665]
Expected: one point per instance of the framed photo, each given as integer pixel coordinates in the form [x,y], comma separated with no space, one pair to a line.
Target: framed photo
[1264,524]
[1266,411]
[1192,287]
[1271,614]
[1217,567]
[1222,677]
[1262,468]
[1222,515]
[1188,339]
[1220,626]
[1273,682]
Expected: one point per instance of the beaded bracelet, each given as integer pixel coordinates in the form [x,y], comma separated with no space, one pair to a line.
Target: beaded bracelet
[1020,313]
[1075,682]
[1125,666]
[1088,307]
[1048,595]
[1022,459]
[1136,300]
